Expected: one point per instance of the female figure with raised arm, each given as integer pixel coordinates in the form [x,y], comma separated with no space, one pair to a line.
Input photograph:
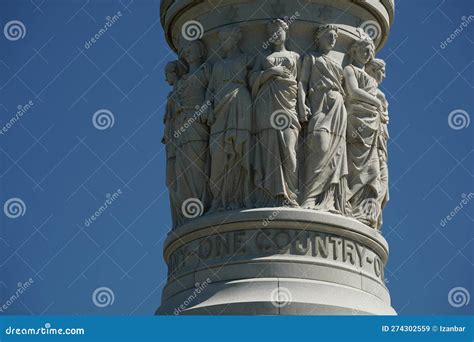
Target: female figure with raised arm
[277,121]
[363,108]
[230,122]
[325,158]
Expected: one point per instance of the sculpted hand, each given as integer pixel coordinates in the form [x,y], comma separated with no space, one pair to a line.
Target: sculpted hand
[281,71]
[379,105]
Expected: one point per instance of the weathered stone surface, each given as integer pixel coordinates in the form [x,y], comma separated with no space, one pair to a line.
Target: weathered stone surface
[276,139]
[253,252]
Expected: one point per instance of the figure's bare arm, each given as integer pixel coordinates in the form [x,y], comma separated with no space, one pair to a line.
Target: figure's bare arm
[304,72]
[355,92]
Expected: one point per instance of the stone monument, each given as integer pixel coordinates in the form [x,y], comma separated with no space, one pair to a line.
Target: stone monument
[276,140]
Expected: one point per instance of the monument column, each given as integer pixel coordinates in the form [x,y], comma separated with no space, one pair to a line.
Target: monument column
[276,209]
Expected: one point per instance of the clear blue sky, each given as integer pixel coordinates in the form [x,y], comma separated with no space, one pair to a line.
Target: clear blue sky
[62,167]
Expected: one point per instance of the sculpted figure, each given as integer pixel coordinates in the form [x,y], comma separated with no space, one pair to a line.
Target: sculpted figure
[325,164]
[376,69]
[192,133]
[230,122]
[172,72]
[363,108]
[275,92]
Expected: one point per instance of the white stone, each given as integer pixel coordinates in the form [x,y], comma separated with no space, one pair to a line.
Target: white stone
[276,139]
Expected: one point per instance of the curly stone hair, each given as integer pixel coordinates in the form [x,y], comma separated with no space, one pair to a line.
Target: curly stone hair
[363,42]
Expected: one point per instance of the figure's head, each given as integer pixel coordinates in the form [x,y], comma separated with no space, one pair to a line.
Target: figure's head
[277,30]
[363,50]
[193,52]
[229,38]
[325,37]
[171,72]
[376,69]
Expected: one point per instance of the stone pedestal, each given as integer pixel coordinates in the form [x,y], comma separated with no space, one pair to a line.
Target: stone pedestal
[273,261]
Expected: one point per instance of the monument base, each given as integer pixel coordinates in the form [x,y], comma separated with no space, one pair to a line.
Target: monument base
[275,261]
